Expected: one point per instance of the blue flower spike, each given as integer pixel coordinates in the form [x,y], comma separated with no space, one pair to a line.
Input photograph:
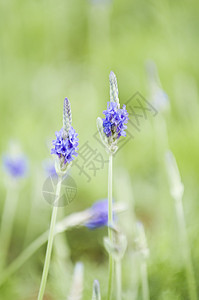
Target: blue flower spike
[113,126]
[66,142]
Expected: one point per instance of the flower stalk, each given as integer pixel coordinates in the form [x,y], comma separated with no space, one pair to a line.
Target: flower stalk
[118,272]
[82,218]
[50,242]
[143,252]
[64,148]
[144,279]
[111,128]
[110,222]
[116,249]
[177,191]
[185,249]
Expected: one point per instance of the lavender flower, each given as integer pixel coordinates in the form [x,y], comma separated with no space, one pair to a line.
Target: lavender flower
[115,120]
[112,127]
[66,143]
[15,166]
[65,146]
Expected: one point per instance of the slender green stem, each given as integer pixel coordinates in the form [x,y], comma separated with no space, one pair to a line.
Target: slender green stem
[110,221]
[185,250]
[50,242]
[62,249]
[7,223]
[144,278]
[118,272]
[111,273]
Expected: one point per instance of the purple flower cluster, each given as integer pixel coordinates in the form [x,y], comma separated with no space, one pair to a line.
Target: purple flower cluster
[16,167]
[115,120]
[65,145]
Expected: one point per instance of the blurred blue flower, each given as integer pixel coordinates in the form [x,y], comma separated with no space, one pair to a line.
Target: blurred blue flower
[49,168]
[99,214]
[15,166]
[115,120]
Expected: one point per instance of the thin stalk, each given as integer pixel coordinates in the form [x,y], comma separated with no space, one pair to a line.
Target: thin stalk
[61,244]
[185,250]
[50,242]
[118,272]
[110,221]
[144,278]
[8,216]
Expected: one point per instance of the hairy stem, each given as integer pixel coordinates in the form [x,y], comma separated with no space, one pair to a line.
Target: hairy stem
[110,221]
[185,250]
[144,278]
[118,271]
[50,242]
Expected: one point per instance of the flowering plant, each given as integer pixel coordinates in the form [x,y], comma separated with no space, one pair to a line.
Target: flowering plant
[112,127]
[66,142]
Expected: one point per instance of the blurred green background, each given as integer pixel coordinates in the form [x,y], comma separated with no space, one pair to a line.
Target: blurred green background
[53,49]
